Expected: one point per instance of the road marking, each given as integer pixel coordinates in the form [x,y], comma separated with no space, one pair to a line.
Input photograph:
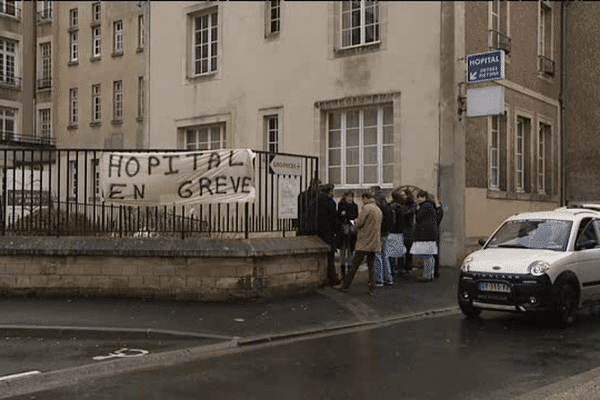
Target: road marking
[3,378]
[121,353]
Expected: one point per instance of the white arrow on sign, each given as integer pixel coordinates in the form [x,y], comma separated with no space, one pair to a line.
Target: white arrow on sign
[472,76]
[286,165]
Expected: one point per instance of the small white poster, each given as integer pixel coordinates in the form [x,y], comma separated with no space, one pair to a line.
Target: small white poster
[289,189]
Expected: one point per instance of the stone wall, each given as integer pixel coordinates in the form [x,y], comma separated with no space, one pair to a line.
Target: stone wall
[190,269]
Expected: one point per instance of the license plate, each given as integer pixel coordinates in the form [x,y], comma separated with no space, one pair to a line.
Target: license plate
[494,287]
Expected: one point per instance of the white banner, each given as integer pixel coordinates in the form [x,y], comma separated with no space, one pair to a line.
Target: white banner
[182,178]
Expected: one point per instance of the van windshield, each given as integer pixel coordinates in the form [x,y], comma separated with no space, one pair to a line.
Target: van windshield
[546,234]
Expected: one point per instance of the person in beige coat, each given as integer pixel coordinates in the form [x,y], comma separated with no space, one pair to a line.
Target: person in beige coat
[368,240]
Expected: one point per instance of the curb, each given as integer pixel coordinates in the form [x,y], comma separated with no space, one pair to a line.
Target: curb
[64,377]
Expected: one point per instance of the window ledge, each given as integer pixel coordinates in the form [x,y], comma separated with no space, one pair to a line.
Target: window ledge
[95,24]
[95,123]
[95,58]
[73,29]
[117,54]
[72,127]
[367,48]
[139,49]
[117,122]
[496,194]
[71,63]
[139,119]
[201,78]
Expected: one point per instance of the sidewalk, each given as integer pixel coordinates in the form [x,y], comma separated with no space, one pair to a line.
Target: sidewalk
[321,310]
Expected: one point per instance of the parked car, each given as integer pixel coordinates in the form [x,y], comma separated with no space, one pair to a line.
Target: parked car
[544,262]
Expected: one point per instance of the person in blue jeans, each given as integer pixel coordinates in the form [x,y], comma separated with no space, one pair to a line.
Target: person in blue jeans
[382,261]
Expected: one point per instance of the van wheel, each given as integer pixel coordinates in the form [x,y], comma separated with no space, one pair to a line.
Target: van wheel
[469,311]
[566,305]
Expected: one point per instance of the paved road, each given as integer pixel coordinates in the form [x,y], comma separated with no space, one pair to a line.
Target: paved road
[495,358]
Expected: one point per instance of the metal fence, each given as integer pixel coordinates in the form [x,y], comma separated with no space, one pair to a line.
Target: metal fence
[51,192]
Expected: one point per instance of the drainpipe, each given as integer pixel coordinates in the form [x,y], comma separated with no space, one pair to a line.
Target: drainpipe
[562,102]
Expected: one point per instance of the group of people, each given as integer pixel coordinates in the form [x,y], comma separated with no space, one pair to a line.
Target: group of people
[387,234]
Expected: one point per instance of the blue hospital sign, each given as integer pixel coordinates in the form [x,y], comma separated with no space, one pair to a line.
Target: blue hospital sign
[485,66]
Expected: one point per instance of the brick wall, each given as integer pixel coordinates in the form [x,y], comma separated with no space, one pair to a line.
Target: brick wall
[191,269]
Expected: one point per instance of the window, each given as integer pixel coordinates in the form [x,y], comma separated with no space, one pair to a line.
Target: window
[45,81]
[96,103]
[8,7]
[95,177]
[546,64]
[73,18]
[205,51]
[360,23]
[45,13]
[74,54]
[272,133]
[45,124]
[96,12]
[8,117]
[360,146]
[141,97]
[205,137]
[118,100]
[8,51]
[72,189]
[118,37]
[499,35]
[544,157]
[497,152]
[522,154]
[96,42]
[73,107]
[141,32]
[274,17]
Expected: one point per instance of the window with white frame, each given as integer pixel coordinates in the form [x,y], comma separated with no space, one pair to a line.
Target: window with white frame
[546,64]
[522,154]
[45,13]
[8,57]
[8,121]
[96,103]
[118,36]
[205,137]
[96,41]
[360,23]
[499,26]
[9,7]
[140,32]
[205,48]
[272,132]
[74,45]
[544,158]
[497,152]
[46,78]
[96,12]
[73,18]
[73,107]
[95,177]
[274,17]
[45,124]
[141,97]
[360,146]
[72,190]
[117,100]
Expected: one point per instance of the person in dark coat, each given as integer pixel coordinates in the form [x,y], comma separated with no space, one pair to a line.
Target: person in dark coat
[409,212]
[347,211]
[439,215]
[307,209]
[426,234]
[327,228]
[395,243]
[383,271]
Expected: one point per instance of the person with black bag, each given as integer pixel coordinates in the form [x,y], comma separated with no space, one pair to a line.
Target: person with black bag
[307,208]
[347,211]
[328,227]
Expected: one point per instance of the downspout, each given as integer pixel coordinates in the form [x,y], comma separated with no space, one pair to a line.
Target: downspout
[562,102]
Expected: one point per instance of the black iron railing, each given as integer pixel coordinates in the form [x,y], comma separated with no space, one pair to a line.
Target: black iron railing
[8,80]
[499,41]
[44,82]
[546,65]
[52,192]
